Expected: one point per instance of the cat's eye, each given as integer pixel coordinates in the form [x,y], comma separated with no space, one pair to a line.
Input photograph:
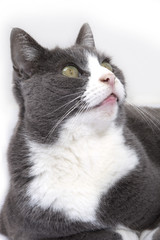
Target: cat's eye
[106,65]
[70,71]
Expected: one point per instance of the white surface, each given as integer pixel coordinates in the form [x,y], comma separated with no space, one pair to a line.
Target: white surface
[127,30]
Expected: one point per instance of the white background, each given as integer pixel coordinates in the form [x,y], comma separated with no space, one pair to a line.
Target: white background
[129,31]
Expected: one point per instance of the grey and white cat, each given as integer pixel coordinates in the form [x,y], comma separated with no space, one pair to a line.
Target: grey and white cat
[83,163]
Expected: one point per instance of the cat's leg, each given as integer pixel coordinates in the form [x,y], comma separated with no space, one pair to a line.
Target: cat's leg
[151,234]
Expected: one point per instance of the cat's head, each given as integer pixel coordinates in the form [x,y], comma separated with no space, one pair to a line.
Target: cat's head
[60,86]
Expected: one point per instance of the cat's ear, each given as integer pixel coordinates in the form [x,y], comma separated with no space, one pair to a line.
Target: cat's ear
[85,36]
[25,52]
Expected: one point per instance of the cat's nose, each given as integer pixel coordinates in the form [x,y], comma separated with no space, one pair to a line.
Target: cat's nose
[108,78]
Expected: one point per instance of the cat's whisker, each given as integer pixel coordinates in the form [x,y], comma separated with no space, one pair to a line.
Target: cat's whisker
[147,117]
[69,95]
[81,110]
[76,117]
[151,116]
[78,114]
[140,113]
[65,105]
[94,93]
[62,118]
[152,119]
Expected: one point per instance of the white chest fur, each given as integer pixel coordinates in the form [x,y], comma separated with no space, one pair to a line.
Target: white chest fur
[72,175]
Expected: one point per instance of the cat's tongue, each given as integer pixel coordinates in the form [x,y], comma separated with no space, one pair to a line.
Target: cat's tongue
[111,99]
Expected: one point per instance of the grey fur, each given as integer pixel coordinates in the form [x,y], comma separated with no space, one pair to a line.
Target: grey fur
[39,89]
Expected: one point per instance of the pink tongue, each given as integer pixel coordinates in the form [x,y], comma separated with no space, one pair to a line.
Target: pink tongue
[111,100]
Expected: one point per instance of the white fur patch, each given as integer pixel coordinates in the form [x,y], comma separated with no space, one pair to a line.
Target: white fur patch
[72,174]
[148,234]
[127,234]
[96,90]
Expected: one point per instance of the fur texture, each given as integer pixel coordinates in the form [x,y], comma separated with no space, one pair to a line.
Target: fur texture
[83,163]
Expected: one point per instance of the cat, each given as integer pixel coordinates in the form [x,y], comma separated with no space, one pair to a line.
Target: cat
[84,164]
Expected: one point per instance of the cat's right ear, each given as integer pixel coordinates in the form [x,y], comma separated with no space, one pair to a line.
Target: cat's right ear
[85,36]
[25,53]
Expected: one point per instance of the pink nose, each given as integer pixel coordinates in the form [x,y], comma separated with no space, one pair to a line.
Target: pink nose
[108,78]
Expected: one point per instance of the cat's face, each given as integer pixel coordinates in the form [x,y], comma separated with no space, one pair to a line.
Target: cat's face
[53,87]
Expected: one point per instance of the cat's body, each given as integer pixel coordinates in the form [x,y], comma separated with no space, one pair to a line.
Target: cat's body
[83,164]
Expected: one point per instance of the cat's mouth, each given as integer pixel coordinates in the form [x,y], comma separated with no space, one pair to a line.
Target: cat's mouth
[111,100]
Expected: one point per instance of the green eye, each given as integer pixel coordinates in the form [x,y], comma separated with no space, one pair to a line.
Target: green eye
[70,71]
[106,65]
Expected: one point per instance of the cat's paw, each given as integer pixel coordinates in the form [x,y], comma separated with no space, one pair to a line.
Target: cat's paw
[126,233]
[2,237]
[150,234]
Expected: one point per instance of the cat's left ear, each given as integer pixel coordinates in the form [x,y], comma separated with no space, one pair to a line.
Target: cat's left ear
[25,53]
[85,36]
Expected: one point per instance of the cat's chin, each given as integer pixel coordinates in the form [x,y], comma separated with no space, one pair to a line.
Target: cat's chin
[106,111]
[93,121]
[100,116]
